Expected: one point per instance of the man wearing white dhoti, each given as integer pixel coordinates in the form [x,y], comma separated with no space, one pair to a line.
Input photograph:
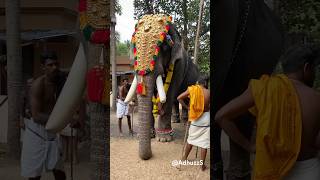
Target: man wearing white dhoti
[199,131]
[41,150]
[123,108]
[199,116]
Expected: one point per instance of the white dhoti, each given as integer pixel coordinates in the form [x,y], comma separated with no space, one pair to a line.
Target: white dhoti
[122,109]
[305,170]
[199,131]
[41,151]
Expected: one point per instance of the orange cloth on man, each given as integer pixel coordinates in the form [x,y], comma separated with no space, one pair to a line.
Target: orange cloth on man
[196,102]
[279,126]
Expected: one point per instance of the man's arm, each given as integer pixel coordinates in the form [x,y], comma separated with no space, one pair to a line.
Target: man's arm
[227,114]
[35,101]
[181,98]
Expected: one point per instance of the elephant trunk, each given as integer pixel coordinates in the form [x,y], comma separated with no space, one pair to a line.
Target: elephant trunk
[145,116]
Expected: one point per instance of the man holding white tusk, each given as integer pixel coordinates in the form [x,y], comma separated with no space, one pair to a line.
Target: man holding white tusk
[122,107]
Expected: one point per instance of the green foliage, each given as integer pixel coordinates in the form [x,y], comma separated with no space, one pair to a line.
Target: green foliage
[185,15]
[122,49]
[302,17]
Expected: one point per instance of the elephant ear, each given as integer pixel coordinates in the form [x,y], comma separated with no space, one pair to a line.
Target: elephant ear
[177,50]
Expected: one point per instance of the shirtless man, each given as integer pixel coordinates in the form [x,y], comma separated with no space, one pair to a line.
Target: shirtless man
[122,108]
[299,66]
[41,151]
[202,124]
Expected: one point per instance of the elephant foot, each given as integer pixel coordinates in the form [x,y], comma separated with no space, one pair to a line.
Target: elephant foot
[165,135]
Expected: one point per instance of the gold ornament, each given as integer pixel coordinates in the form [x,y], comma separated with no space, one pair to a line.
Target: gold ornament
[147,34]
[97,13]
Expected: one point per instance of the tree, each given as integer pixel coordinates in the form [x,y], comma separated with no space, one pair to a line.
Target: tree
[122,49]
[185,15]
[196,46]
[15,79]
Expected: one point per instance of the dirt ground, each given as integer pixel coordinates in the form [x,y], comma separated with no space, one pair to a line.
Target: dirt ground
[124,160]
[126,164]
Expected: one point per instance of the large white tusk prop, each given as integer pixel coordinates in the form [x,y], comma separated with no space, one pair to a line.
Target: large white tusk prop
[71,94]
[162,94]
[132,90]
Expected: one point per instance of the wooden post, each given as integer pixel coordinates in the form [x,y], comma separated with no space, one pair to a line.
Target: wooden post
[15,81]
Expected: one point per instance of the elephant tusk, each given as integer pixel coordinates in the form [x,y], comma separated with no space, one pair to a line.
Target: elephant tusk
[162,94]
[132,90]
[70,95]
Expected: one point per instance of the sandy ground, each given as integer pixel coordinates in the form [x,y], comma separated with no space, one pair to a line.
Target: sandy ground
[126,164]
[124,161]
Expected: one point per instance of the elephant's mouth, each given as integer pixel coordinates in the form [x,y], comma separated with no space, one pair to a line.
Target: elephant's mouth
[159,88]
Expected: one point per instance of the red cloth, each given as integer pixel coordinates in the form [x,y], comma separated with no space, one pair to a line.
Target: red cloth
[100,37]
[82,5]
[95,84]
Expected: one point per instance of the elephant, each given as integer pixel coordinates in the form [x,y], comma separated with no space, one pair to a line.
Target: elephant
[185,73]
[247,42]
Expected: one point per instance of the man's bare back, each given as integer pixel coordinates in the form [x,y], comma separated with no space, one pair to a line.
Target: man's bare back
[310,106]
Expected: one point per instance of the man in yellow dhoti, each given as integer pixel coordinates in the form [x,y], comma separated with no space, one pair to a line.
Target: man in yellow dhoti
[199,118]
[287,115]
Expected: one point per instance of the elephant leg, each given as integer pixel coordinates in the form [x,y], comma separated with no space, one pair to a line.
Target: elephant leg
[175,113]
[165,131]
[239,165]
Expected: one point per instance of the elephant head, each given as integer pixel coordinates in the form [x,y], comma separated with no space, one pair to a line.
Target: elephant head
[156,45]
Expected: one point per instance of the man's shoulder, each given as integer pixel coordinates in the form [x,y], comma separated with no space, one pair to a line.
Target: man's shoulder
[38,80]
[37,83]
